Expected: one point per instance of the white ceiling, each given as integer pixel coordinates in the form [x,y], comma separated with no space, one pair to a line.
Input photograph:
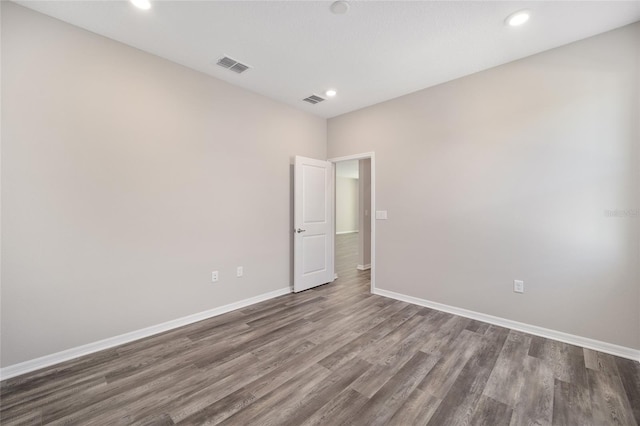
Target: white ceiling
[378,51]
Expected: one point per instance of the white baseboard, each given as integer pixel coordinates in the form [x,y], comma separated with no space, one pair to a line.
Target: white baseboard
[66,355]
[363,267]
[596,345]
[347,232]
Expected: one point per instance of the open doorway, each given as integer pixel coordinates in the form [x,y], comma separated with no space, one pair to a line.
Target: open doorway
[354,227]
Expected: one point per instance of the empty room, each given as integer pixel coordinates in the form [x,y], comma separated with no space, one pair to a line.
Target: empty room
[320,212]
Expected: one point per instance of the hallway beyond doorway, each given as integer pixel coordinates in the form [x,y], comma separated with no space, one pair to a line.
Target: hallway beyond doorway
[347,261]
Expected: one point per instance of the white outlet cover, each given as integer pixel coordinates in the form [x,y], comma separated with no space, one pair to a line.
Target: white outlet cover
[214,276]
[518,286]
[239,271]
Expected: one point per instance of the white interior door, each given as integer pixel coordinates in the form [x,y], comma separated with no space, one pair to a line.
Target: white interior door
[313,223]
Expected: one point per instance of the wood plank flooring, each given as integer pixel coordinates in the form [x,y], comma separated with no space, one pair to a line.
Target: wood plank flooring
[330,356]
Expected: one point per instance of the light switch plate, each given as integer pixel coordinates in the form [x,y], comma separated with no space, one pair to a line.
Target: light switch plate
[381,214]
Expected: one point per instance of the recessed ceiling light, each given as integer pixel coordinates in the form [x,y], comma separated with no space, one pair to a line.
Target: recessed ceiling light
[331,93]
[518,18]
[142,4]
[340,7]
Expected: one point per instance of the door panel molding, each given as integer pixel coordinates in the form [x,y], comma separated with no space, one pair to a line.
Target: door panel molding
[313,236]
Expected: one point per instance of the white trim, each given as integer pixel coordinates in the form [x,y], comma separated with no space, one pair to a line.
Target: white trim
[585,342]
[364,156]
[347,232]
[363,267]
[66,355]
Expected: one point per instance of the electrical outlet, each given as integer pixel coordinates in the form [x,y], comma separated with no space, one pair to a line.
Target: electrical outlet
[239,271]
[518,286]
[214,276]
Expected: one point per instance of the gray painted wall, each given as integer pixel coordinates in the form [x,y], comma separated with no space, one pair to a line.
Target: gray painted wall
[127,179]
[507,174]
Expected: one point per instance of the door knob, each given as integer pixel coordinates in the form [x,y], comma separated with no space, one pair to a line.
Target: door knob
[300,230]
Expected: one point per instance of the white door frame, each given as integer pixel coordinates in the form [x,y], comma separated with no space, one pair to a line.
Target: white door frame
[364,156]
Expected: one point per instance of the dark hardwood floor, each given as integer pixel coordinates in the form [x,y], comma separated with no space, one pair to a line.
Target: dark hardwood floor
[329,356]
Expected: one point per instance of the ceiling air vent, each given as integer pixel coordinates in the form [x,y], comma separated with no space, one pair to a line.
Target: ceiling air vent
[313,99]
[232,64]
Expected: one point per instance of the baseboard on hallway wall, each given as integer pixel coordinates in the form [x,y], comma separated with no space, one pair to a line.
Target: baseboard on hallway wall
[72,353]
[347,232]
[363,267]
[585,342]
